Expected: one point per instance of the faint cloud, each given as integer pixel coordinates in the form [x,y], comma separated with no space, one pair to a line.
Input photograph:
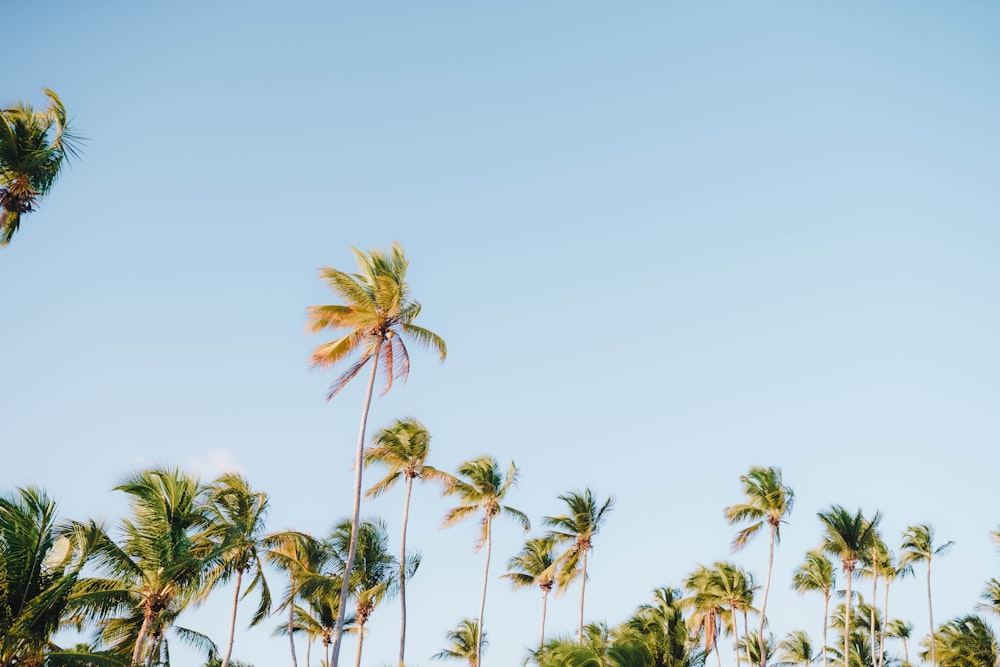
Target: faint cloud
[213,463]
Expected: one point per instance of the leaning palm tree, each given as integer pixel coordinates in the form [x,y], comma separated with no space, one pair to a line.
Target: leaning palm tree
[378,315]
[902,630]
[403,449]
[796,650]
[466,643]
[816,574]
[578,526]
[768,502]
[481,486]
[34,146]
[918,547]
[238,514]
[848,537]
[967,641]
[534,565]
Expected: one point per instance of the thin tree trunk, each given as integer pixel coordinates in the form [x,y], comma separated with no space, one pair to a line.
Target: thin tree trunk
[583,590]
[874,593]
[826,622]
[763,604]
[930,613]
[718,655]
[885,622]
[545,601]
[291,637]
[736,636]
[140,641]
[847,620]
[232,619]
[482,601]
[153,650]
[338,633]
[402,574]
[361,643]
[309,642]
[906,653]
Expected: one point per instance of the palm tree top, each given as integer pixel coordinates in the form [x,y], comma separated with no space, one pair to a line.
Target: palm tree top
[583,520]
[402,448]
[768,502]
[533,565]
[918,545]
[482,484]
[378,314]
[847,535]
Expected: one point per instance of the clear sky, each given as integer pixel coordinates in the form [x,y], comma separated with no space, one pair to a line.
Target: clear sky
[664,241]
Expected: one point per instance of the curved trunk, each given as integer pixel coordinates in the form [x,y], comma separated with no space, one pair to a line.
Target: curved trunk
[291,637]
[140,641]
[402,573]
[545,602]
[361,643]
[232,619]
[736,636]
[763,604]
[338,633]
[826,617]
[930,614]
[583,590]
[482,601]
[847,619]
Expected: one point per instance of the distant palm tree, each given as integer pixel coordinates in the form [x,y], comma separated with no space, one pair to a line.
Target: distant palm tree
[796,650]
[768,502]
[918,547]
[578,527]
[300,556]
[661,628]
[238,514]
[378,315]
[34,146]
[990,597]
[601,647]
[967,641]
[891,570]
[816,574]
[403,449]
[533,566]
[900,629]
[754,651]
[847,536]
[481,486]
[707,608]
[466,643]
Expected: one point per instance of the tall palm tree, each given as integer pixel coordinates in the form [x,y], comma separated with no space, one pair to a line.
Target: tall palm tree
[165,554]
[967,641]
[900,629]
[34,146]
[300,557]
[378,315]
[816,574]
[578,526]
[481,486]
[534,565]
[918,547]
[466,643]
[768,502]
[872,567]
[238,514]
[891,570]
[848,537]
[403,449]
[707,608]
[735,586]
[796,650]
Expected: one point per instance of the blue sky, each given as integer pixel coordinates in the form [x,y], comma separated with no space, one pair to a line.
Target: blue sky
[664,241]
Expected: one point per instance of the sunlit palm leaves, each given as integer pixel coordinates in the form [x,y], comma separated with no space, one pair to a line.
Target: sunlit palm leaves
[919,547]
[465,643]
[964,642]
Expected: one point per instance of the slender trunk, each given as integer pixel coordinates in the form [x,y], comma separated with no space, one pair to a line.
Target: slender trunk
[232,619]
[847,619]
[545,602]
[826,621]
[763,604]
[718,655]
[140,641]
[736,636]
[482,601]
[874,593]
[746,632]
[338,633]
[930,613]
[326,649]
[361,643]
[153,650]
[309,642]
[906,653]
[291,637]
[583,590]
[885,622]
[402,573]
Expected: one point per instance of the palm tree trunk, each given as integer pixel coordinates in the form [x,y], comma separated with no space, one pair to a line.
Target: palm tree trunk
[482,601]
[545,601]
[140,641]
[583,590]
[885,622]
[847,620]
[338,633]
[930,614]
[361,642]
[402,573]
[763,604]
[154,649]
[232,619]
[291,637]
[906,653]
[736,636]
[826,622]
[874,593]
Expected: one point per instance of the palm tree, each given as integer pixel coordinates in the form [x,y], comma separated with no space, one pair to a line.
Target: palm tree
[578,527]
[990,597]
[482,486]
[238,514]
[163,560]
[918,547]
[466,643]
[796,650]
[768,502]
[34,145]
[900,629]
[300,556]
[534,565]
[378,315]
[403,448]
[891,570]
[755,652]
[661,628]
[735,586]
[707,608]
[964,642]
[816,574]
[873,567]
[601,647]
[847,536]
